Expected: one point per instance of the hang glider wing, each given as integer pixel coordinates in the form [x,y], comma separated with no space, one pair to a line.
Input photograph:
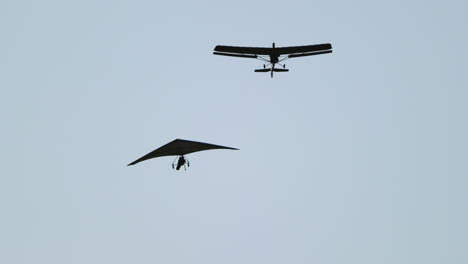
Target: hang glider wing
[179,147]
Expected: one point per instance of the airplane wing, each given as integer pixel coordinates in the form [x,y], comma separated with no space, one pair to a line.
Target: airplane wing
[304,49]
[242,50]
[291,52]
[179,147]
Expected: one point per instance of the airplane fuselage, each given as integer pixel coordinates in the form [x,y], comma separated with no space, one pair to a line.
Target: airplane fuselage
[274,58]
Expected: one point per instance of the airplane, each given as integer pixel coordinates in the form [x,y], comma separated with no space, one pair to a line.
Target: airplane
[273,55]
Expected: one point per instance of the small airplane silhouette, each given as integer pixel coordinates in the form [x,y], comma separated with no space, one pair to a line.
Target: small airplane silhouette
[273,55]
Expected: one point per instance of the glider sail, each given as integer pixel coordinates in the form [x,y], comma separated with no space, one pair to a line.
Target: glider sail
[179,147]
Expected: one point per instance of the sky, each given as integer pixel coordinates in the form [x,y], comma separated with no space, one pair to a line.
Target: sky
[359,156]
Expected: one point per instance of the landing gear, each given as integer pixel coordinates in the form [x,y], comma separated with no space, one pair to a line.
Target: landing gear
[270,63]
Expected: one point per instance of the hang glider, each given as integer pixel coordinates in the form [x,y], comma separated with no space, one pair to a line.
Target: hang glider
[273,55]
[179,148]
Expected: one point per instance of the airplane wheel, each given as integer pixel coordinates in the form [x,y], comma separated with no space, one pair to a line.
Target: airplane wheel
[284,66]
[264,66]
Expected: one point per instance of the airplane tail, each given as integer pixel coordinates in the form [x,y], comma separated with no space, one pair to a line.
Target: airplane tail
[269,70]
[280,70]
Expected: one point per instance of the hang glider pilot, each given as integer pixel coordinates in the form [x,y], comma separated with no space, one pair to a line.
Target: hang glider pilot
[181,162]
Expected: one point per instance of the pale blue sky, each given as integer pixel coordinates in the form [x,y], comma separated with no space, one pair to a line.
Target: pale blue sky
[359,156]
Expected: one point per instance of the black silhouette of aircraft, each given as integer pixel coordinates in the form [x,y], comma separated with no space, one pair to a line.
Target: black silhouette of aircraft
[179,148]
[273,55]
